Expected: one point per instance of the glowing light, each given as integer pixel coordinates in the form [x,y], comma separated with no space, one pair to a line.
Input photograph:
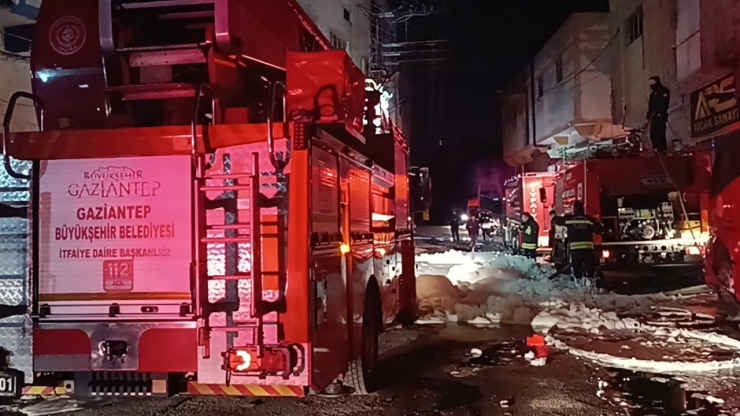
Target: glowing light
[605,254]
[464,217]
[344,248]
[693,251]
[246,360]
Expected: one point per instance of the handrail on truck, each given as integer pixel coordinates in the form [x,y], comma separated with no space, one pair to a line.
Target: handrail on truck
[202,91]
[6,128]
[278,164]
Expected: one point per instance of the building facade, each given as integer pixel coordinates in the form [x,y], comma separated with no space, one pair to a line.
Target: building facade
[16,21]
[564,97]
[707,36]
[346,23]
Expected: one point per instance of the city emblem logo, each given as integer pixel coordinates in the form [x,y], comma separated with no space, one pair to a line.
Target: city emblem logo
[67,35]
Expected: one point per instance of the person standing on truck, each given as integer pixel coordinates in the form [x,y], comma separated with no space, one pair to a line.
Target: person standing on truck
[473,227]
[455,226]
[657,114]
[530,235]
[581,230]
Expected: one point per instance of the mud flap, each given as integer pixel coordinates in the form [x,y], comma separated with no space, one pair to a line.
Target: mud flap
[16,326]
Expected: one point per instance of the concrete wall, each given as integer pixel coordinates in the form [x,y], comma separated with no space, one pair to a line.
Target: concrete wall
[16,76]
[653,54]
[583,95]
[556,107]
[514,103]
[329,16]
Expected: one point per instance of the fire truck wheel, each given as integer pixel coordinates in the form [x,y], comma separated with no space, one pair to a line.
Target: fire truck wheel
[363,372]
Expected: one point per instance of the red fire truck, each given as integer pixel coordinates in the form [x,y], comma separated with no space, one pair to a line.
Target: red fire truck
[532,192]
[654,210]
[722,269]
[180,235]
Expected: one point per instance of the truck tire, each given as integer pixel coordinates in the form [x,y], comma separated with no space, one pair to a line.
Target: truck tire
[363,372]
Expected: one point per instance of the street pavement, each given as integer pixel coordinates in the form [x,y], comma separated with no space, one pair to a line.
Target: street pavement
[427,370]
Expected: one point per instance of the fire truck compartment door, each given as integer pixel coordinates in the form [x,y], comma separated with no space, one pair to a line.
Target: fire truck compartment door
[647,175]
[16,331]
[115,231]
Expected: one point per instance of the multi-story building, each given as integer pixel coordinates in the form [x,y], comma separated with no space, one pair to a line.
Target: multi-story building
[692,46]
[707,34]
[645,47]
[564,97]
[16,21]
[346,23]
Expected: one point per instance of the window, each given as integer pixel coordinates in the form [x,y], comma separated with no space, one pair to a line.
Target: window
[347,16]
[633,26]
[338,42]
[559,69]
[540,86]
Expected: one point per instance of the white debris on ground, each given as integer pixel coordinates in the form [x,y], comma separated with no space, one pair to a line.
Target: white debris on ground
[492,287]
[486,288]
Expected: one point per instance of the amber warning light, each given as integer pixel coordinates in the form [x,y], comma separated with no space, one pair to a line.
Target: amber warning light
[246,360]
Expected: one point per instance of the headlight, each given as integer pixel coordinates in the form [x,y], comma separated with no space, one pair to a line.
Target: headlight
[464,217]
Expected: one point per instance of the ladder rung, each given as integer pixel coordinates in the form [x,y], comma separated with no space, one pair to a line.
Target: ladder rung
[226,188]
[226,240]
[229,176]
[246,276]
[229,227]
[233,328]
[163,3]
[159,48]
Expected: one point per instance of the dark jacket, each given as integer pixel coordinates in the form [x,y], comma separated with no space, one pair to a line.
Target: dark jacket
[530,234]
[473,226]
[581,230]
[659,102]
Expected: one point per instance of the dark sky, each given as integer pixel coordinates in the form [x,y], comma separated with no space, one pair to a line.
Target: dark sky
[490,41]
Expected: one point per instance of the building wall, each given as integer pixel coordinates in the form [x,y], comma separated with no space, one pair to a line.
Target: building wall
[572,86]
[652,54]
[329,15]
[555,108]
[16,76]
[582,95]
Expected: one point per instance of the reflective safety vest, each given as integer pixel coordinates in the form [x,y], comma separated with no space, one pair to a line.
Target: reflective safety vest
[531,233]
[581,230]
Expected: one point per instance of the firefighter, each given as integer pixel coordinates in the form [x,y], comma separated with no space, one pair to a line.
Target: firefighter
[473,227]
[455,226]
[530,235]
[557,241]
[581,230]
[657,114]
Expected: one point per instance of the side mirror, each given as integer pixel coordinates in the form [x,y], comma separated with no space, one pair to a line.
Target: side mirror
[543,195]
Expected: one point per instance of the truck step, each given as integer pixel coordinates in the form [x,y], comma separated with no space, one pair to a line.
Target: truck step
[164,48]
[132,5]
[153,91]
[166,58]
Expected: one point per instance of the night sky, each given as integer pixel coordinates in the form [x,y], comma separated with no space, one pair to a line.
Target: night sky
[490,41]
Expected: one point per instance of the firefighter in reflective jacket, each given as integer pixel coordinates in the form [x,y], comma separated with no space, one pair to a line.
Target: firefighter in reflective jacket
[581,230]
[530,234]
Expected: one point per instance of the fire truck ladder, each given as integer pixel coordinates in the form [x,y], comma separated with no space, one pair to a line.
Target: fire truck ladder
[233,235]
[128,57]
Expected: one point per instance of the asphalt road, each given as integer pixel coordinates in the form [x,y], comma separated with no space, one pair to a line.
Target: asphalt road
[418,363]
